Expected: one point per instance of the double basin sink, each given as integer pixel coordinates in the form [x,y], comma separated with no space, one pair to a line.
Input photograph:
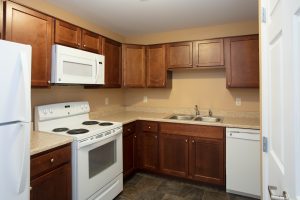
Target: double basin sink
[195,118]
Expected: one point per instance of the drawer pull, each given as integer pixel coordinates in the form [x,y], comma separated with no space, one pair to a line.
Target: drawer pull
[149,127]
[135,136]
[52,160]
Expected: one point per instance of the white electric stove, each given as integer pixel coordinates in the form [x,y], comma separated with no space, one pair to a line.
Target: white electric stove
[97,169]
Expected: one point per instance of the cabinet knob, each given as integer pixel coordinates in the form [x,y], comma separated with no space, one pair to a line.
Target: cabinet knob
[48,81]
[84,45]
[155,137]
[193,141]
[149,127]
[78,44]
[128,129]
[52,160]
[135,136]
[186,140]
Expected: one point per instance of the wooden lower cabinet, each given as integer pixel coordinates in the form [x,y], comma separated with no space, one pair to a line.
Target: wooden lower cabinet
[50,174]
[206,158]
[53,185]
[129,149]
[149,151]
[173,154]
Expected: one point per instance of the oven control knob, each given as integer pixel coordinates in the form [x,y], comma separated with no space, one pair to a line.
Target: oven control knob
[50,111]
[86,107]
[45,111]
[82,107]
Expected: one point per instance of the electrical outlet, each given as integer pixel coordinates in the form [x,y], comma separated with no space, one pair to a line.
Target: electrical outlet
[106,101]
[238,101]
[145,100]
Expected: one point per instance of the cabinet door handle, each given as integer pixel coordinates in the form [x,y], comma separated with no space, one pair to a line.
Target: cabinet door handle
[52,160]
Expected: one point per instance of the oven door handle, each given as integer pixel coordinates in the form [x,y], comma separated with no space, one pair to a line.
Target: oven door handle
[94,143]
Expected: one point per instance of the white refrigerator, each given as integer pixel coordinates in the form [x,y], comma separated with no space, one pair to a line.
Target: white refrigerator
[15,120]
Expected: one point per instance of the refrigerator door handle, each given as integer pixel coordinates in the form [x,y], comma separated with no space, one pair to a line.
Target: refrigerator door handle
[26,79]
[24,166]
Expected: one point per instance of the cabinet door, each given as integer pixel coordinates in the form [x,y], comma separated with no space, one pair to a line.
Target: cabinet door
[208,53]
[150,151]
[206,162]
[54,185]
[67,34]
[27,26]
[156,66]
[180,55]
[173,154]
[91,42]
[133,65]
[128,154]
[113,63]
[242,62]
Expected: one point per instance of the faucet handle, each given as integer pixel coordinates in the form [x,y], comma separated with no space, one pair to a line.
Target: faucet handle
[210,112]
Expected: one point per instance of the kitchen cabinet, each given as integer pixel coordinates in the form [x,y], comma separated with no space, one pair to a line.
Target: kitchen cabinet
[242,61]
[134,65]
[91,41]
[149,145]
[193,151]
[207,160]
[173,154]
[27,26]
[156,76]
[129,149]
[67,34]
[208,53]
[73,36]
[180,55]
[50,174]
[113,63]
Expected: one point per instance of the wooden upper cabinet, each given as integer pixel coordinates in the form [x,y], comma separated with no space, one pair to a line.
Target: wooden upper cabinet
[156,66]
[134,65]
[113,63]
[208,53]
[67,34]
[180,55]
[242,61]
[91,41]
[27,26]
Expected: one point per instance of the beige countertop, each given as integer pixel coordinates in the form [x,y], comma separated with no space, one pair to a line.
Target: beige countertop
[130,116]
[41,141]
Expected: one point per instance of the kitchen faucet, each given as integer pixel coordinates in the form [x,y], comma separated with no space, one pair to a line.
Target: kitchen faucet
[197,110]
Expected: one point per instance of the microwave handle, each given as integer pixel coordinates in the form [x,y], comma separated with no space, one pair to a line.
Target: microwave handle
[98,70]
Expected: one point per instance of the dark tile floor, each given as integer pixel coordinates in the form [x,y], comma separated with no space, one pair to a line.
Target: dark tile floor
[152,187]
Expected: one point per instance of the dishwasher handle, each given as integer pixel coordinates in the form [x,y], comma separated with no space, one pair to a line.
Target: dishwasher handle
[243,135]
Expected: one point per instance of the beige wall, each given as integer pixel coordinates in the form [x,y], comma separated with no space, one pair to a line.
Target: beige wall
[69,17]
[224,30]
[96,97]
[206,88]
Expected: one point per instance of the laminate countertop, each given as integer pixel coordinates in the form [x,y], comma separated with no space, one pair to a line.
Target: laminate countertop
[130,116]
[41,141]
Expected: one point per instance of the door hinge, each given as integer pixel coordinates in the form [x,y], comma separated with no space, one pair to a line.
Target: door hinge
[265,144]
[264,15]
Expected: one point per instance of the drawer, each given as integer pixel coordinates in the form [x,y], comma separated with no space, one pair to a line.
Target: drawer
[210,132]
[148,126]
[50,160]
[128,128]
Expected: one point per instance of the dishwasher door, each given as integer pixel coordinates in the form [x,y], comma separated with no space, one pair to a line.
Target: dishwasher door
[243,162]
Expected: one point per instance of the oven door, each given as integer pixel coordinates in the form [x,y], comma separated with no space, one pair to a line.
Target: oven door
[98,164]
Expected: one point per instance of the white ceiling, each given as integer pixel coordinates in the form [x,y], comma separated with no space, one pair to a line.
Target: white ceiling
[132,17]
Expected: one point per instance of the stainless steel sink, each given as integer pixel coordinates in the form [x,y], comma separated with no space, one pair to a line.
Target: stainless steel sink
[182,117]
[208,119]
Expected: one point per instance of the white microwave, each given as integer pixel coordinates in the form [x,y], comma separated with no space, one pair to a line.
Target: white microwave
[74,66]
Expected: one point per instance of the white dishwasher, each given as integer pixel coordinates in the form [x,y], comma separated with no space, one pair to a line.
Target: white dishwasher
[243,162]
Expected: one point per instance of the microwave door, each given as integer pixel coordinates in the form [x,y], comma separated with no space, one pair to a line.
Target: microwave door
[76,70]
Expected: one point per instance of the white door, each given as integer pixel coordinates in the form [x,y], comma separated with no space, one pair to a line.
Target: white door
[280,83]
